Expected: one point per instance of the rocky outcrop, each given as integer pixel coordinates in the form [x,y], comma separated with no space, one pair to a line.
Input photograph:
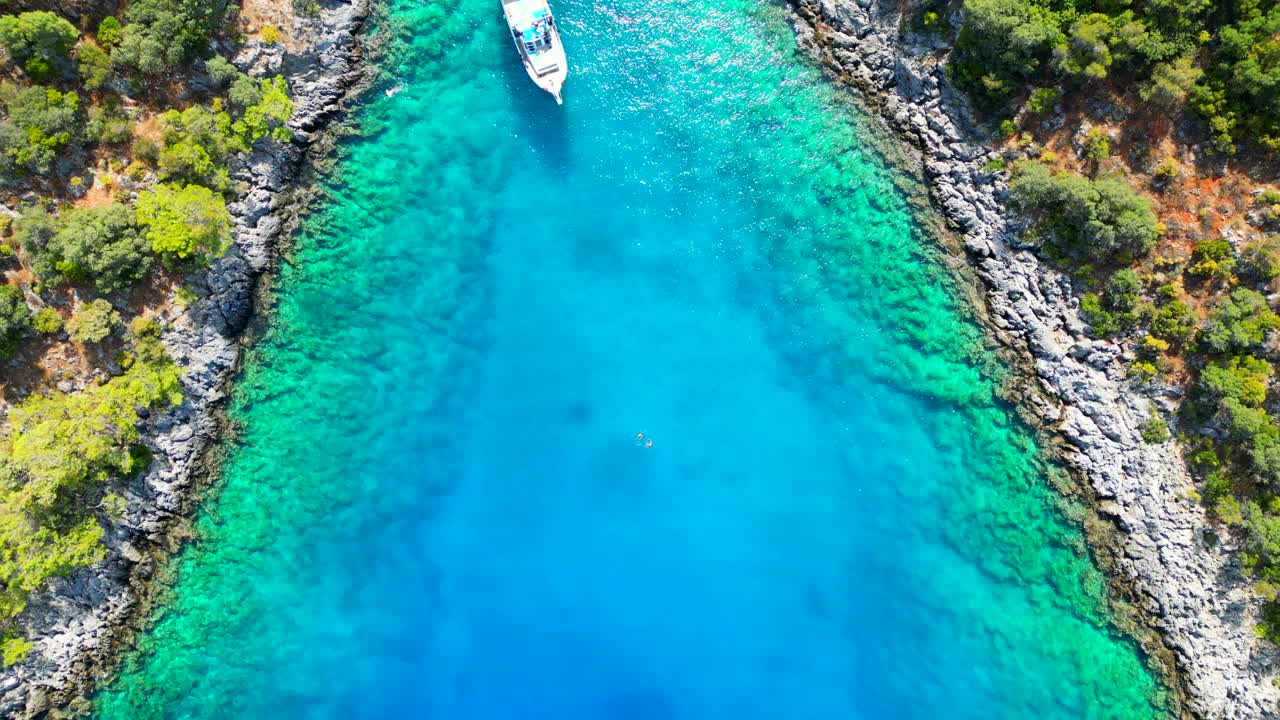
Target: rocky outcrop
[79,625]
[1184,584]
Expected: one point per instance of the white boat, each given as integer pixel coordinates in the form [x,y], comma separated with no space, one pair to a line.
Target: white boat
[533,29]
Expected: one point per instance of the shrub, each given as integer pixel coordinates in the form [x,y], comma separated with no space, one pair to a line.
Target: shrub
[1087,218]
[40,41]
[1042,100]
[14,650]
[1123,290]
[1166,172]
[1097,146]
[46,321]
[1155,431]
[93,322]
[15,318]
[1229,511]
[108,124]
[114,505]
[1143,371]
[270,34]
[147,150]
[185,221]
[1212,258]
[1152,347]
[1103,322]
[1238,323]
[101,245]
[1261,260]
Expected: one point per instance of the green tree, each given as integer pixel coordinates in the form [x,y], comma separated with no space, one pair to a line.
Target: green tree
[268,115]
[196,144]
[222,71]
[1089,219]
[1174,322]
[1086,50]
[1042,100]
[161,35]
[93,64]
[109,32]
[47,122]
[1170,83]
[93,322]
[15,318]
[46,321]
[101,245]
[185,221]
[1000,45]
[39,40]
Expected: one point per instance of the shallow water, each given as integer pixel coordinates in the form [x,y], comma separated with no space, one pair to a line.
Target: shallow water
[439,506]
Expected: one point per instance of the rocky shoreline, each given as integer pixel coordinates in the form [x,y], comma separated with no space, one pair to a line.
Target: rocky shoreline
[81,624]
[1153,538]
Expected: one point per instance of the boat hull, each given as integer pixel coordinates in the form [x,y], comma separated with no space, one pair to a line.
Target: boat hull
[537,40]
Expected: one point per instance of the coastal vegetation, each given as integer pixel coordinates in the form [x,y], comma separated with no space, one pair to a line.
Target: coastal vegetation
[1142,140]
[118,133]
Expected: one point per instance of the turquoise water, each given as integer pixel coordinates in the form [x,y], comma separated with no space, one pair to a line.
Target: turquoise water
[438,506]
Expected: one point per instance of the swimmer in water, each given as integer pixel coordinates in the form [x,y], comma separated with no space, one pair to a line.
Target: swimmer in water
[639,436]
[648,443]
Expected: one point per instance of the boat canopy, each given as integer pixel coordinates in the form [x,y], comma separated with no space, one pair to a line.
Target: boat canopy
[525,13]
[531,24]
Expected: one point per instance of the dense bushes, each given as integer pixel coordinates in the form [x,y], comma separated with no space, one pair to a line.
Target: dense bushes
[1102,219]
[1224,59]
[60,450]
[160,35]
[1001,45]
[1240,96]
[1239,323]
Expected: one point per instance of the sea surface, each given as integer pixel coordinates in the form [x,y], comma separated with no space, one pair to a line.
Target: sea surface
[443,501]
